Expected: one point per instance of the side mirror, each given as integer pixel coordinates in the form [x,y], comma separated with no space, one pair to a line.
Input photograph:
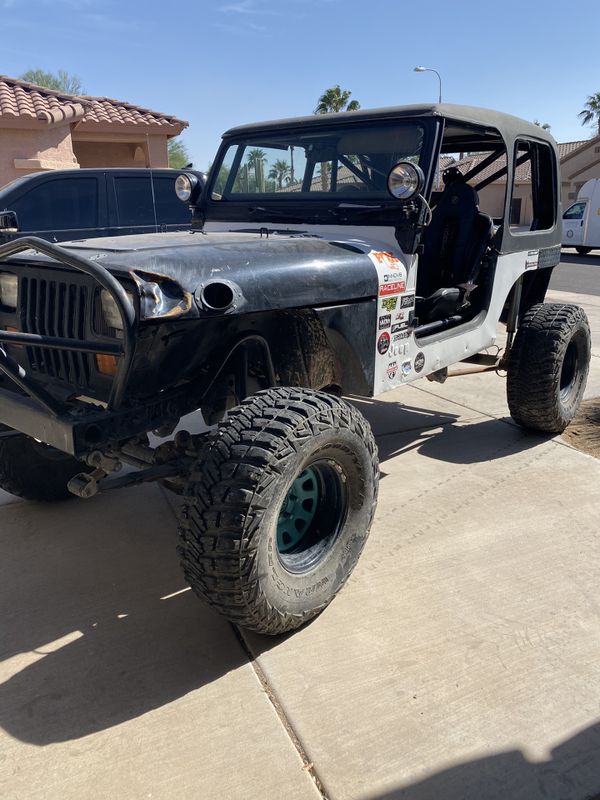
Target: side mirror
[9,222]
[188,187]
[405,180]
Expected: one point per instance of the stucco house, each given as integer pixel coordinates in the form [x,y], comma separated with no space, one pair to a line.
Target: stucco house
[41,129]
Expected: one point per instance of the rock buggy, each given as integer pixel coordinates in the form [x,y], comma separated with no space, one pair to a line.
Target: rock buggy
[328,258]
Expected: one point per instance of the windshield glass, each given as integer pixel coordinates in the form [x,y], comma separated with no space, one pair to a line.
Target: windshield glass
[347,162]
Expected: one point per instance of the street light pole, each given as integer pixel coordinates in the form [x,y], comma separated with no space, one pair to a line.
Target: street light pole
[428,69]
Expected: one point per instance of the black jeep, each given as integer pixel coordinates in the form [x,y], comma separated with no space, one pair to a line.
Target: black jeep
[330,255]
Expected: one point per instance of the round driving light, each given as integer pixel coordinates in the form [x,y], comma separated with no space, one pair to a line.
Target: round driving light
[184,186]
[405,180]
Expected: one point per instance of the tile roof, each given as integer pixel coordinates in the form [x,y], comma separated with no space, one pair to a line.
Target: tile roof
[19,99]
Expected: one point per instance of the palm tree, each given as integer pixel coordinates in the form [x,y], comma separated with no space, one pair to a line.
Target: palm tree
[280,171]
[591,111]
[256,160]
[333,100]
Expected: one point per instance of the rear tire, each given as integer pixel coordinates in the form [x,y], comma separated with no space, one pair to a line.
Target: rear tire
[35,471]
[548,367]
[583,251]
[279,508]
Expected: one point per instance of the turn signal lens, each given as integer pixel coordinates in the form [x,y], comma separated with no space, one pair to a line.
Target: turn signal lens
[106,365]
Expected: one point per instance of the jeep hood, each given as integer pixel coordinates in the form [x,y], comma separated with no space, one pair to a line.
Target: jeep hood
[259,272]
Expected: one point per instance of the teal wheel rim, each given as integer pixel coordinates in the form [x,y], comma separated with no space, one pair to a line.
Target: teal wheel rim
[298,510]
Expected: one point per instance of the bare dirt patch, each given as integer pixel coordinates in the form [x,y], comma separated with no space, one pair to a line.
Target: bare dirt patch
[584,432]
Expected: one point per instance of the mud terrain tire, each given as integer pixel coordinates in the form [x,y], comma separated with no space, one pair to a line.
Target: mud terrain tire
[278,508]
[548,367]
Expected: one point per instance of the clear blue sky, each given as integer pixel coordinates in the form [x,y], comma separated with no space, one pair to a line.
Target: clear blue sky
[222,63]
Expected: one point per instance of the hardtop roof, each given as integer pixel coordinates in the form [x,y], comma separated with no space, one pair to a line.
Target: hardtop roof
[508,125]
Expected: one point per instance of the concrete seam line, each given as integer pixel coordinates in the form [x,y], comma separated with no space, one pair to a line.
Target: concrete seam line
[456,403]
[308,765]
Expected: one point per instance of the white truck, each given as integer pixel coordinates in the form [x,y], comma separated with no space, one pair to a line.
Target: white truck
[581,221]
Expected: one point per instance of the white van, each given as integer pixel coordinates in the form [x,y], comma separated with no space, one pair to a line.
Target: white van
[581,221]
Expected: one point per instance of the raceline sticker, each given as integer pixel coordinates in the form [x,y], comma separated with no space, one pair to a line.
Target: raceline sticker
[407,301]
[383,343]
[385,320]
[389,303]
[395,287]
[532,260]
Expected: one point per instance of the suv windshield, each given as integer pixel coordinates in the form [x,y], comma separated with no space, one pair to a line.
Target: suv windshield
[349,162]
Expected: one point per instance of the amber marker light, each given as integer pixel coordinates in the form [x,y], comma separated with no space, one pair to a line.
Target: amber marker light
[106,365]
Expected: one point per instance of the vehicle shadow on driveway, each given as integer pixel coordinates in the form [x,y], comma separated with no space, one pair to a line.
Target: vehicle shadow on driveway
[90,637]
[444,436]
[572,772]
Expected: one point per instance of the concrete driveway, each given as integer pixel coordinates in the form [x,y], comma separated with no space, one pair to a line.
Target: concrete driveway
[462,660]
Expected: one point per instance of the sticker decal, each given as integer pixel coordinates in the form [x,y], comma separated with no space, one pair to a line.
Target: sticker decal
[407,301]
[532,260]
[419,362]
[392,279]
[399,326]
[396,287]
[406,367]
[385,259]
[383,343]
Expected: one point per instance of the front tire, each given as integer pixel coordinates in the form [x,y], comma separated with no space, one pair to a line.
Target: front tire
[583,251]
[548,367]
[35,471]
[278,510]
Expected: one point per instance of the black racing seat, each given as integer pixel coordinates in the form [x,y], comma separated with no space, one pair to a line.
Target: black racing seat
[454,244]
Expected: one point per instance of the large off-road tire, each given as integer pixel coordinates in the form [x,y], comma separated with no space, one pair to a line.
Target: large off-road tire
[35,471]
[583,251]
[278,508]
[548,367]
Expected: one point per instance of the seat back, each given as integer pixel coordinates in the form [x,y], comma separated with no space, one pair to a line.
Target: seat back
[455,240]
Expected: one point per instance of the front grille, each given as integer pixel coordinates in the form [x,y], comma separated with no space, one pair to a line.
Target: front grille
[56,308]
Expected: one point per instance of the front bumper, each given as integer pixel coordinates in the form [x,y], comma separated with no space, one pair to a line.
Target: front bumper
[30,407]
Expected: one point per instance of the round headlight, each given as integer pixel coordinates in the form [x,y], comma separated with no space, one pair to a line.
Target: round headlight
[184,186]
[405,180]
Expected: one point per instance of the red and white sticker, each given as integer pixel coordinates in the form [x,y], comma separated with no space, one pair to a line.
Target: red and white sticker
[396,287]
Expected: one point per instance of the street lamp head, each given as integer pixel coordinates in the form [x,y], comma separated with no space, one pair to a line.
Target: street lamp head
[420,69]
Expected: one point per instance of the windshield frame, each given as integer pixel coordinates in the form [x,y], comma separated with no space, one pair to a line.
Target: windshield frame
[316,207]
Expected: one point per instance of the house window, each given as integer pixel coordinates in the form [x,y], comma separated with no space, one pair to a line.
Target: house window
[534,180]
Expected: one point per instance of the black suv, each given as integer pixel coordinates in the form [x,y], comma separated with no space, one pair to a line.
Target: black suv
[84,203]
